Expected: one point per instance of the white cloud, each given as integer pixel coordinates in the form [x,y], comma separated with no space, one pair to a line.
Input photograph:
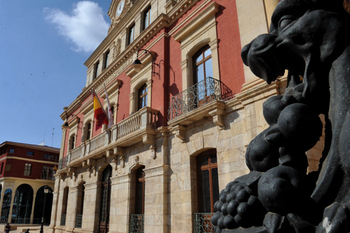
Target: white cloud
[85,26]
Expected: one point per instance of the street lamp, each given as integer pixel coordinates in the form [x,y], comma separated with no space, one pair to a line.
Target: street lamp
[137,65]
[46,191]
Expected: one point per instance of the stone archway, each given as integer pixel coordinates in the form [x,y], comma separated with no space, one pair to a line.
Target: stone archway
[22,204]
[39,206]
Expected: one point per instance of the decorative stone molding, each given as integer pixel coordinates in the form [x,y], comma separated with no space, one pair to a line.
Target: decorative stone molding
[218,117]
[180,132]
[91,163]
[149,139]
[72,173]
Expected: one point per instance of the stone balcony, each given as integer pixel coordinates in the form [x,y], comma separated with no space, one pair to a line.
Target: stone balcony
[138,127]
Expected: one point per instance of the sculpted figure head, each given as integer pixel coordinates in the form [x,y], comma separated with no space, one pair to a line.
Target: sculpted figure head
[305,37]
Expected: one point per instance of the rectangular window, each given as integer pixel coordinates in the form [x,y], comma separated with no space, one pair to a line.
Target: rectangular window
[12,150]
[105,61]
[8,167]
[47,173]
[96,70]
[50,157]
[2,168]
[27,169]
[31,153]
[146,18]
[131,34]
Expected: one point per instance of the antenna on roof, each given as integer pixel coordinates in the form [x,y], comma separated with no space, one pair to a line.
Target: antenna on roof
[53,134]
[43,142]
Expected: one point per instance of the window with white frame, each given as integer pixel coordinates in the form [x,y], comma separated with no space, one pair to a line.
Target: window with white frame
[47,173]
[96,70]
[142,97]
[105,59]
[27,169]
[131,34]
[146,21]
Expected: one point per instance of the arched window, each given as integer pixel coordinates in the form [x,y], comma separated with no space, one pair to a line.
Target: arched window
[105,199]
[80,205]
[207,189]
[203,71]
[142,97]
[6,205]
[202,62]
[208,186]
[22,204]
[39,204]
[64,206]
[140,191]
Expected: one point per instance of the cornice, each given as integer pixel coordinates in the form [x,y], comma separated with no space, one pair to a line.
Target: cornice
[124,59]
[181,27]
[30,146]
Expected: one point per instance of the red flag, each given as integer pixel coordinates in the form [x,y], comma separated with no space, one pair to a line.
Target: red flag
[100,115]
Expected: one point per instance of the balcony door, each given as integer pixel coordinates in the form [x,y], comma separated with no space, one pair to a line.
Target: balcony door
[137,216]
[203,71]
[105,199]
[207,190]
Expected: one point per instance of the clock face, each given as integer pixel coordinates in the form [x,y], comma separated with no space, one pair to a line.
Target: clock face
[120,8]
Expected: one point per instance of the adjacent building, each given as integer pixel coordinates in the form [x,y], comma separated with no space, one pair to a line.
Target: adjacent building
[25,170]
[184,110]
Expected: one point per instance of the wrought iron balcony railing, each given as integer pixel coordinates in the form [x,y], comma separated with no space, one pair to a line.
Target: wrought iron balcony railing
[63,219]
[78,221]
[63,162]
[202,223]
[136,223]
[201,93]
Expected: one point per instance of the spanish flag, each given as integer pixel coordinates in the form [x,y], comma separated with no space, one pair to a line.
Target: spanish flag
[100,115]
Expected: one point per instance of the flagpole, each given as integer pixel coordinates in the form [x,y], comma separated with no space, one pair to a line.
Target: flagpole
[94,93]
[110,114]
[107,103]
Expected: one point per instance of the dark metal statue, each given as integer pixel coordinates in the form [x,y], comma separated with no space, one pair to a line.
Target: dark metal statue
[310,39]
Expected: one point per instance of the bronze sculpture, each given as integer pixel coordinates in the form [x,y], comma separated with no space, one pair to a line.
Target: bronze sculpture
[310,39]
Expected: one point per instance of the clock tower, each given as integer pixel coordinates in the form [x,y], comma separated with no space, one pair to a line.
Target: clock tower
[117,10]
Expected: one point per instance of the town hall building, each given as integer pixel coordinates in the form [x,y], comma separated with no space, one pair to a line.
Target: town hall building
[184,110]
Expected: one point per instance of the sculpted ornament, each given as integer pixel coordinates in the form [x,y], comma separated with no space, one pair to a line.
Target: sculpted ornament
[310,39]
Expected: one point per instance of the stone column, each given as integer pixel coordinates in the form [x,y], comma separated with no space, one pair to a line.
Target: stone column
[132,103]
[2,196]
[91,207]
[120,204]
[71,205]
[156,201]
[32,211]
[64,131]
[12,199]
[54,209]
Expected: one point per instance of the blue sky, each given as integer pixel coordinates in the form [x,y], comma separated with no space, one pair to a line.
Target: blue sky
[43,47]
